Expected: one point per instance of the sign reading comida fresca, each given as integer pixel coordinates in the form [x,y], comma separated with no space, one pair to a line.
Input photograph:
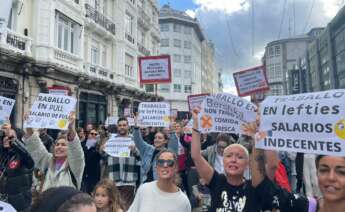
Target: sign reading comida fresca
[155,69]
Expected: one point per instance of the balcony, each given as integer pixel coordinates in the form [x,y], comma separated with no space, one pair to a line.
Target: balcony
[129,38]
[144,20]
[143,50]
[98,71]
[16,42]
[100,19]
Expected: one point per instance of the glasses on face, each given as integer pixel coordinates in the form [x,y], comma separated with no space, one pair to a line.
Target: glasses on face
[161,162]
[93,133]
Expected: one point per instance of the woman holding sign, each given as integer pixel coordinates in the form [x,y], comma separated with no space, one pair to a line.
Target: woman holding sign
[148,152]
[63,167]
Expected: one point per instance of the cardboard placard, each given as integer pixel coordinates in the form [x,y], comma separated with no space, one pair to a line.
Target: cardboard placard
[154,114]
[196,100]
[119,146]
[6,107]
[155,69]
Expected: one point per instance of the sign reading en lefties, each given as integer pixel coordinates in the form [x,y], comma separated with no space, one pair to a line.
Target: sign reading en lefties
[155,69]
[250,81]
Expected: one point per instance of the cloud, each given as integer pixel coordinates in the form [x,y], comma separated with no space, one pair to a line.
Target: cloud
[226,6]
[191,13]
[331,7]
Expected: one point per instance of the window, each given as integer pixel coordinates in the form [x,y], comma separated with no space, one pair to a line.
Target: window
[141,37]
[177,88]
[95,52]
[187,44]
[187,59]
[164,88]
[188,89]
[177,28]
[165,42]
[277,51]
[67,33]
[129,62]
[149,88]
[177,43]
[187,30]
[177,73]
[187,74]
[177,58]
[270,52]
[129,24]
[164,27]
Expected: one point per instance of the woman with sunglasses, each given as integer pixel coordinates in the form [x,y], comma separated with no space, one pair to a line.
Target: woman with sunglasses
[148,152]
[162,194]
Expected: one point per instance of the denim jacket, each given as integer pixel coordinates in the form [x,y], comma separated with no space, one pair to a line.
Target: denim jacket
[146,152]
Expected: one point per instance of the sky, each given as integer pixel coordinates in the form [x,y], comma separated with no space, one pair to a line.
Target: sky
[240,30]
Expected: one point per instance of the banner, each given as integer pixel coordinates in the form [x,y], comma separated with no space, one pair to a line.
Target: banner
[118,146]
[309,123]
[196,100]
[251,81]
[225,113]
[155,69]
[5,11]
[50,111]
[154,114]
[6,106]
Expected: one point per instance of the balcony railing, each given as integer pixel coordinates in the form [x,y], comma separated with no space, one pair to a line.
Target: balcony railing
[143,18]
[99,18]
[17,42]
[66,57]
[143,50]
[129,38]
[98,71]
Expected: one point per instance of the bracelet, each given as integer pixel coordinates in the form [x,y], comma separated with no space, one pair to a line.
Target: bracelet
[197,131]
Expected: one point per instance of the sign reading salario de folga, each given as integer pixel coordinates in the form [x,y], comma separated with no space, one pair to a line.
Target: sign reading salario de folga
[50,111]
[154,114]
[308,123]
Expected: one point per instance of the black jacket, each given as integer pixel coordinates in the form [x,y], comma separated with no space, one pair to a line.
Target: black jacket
[16,181]
[92,171]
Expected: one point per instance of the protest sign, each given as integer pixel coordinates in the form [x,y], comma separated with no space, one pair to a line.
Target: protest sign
[130,121]
[111,120]
[308,122]
[127,112]
[250,81]
[155,69]
[225,113]
[50,111]
[154,114]
[174,113]
[118,146]
[196,100]
[6,106]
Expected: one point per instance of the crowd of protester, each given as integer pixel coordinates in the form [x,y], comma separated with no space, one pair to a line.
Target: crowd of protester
[172,169]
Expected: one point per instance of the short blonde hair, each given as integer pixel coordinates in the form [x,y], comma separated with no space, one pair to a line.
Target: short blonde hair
[240,146]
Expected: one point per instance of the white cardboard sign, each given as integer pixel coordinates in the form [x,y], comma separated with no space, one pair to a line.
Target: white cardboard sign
[196,100]
[50,111]
[154,114]
[6,106]
[118,146]
[225,113]
[309,123]
[111,120]
[155,69]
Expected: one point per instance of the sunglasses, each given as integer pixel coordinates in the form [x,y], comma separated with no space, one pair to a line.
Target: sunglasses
[161,162]
[93,133]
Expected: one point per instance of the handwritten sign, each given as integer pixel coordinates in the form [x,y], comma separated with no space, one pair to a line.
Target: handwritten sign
[251,81]
[118,146]
[111,120]
[6,106]
[309,123]
[154,114]
[50,111]
[225,113]
[196,100]
[155,69]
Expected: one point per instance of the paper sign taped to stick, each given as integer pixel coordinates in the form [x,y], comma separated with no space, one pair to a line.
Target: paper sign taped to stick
[111,120]
[50,111]
[309,123]
[118,147]
[196,100]
[6,106]
[154,114]
[225,113]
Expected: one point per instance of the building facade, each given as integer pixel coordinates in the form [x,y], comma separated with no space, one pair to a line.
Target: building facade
[182,39]
[209,75]
[88,47]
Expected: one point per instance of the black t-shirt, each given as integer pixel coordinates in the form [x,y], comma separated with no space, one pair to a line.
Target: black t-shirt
[226,197]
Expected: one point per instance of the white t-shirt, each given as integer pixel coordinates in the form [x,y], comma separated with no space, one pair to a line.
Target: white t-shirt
[150,198]
[218,164]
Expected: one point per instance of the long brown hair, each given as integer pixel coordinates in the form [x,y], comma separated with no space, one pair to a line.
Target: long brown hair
[112,192]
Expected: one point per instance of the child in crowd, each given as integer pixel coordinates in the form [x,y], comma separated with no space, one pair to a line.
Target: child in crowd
[107,197]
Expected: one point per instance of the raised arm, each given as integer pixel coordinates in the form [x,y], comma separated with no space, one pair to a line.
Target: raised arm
[139,142]
[204,169]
